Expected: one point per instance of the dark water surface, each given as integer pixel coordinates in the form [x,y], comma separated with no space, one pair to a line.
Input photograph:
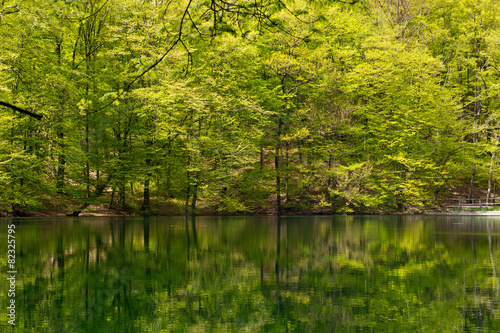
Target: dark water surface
[233,274]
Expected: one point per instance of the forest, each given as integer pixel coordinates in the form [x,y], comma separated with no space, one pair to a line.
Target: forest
[247,107]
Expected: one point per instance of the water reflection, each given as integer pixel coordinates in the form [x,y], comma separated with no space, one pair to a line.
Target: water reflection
[342,274]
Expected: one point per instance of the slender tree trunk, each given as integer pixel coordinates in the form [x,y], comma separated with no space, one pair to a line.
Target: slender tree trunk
[169,171]
[146,199]
[477,111]
[60,174]
[61,167]
[146,234]
[146,202]
[261,157]
[277,168]
[490,173]
[112,198]
[121,195]
[278,148]
[286,173]
[477,115]
[330,162]
[195,197]
[186,205]
[472,185]
[87,150]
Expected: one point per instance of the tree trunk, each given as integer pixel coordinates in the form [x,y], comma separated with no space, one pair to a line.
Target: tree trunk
[186,205]
[61,167]
[87,150]
[490,173]
[112,198]
[277,168]
[488,195]
[261,157]
[146,202]
[195,197]
[121,195]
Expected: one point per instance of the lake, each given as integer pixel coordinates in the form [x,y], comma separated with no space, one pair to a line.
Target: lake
[254,274]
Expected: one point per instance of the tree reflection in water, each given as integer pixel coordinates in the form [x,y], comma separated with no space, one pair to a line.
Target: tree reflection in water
[342,274]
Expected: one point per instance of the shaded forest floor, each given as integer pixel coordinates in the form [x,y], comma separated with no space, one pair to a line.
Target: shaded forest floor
[101,209]
[107,205]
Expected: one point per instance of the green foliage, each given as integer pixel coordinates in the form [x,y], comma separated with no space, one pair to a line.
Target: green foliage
[334,274]
[347,107]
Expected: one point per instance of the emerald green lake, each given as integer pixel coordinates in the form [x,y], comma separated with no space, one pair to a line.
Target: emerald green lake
[254,274]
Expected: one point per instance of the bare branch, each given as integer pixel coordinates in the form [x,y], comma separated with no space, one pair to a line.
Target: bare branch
[18,109]
[10,10]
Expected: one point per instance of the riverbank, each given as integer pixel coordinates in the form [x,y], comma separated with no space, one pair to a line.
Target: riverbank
[461,212]
[104,211]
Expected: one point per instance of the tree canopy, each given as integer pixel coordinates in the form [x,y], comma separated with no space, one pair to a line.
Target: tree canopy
[236,106]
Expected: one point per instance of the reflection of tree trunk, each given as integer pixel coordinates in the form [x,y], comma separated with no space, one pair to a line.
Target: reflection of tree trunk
[278,250]
[168,249]
[149,292]
[261,270]
[58,302]
[87,264]
[474,256]
[195,236]
[278,244]
[495,273]
[98,244]
[474,244]
[60,258]
[187,235]
[145,224]
[147,282]
[287,267]
[121,235]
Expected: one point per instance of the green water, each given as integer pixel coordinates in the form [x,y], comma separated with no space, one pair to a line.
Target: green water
[234,274]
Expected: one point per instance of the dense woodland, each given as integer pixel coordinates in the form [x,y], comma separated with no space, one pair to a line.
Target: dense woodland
[236,106]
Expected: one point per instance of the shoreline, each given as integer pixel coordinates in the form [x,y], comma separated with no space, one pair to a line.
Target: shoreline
[461,212]
[115,213]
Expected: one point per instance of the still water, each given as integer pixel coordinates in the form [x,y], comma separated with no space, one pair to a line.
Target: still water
[255,274]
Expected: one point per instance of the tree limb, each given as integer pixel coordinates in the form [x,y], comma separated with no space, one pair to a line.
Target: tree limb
[15,108]
[10,10]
